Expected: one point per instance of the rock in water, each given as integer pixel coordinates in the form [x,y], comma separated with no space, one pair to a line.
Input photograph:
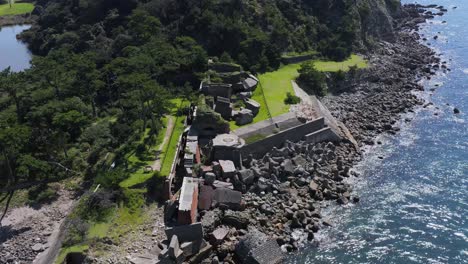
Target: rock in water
[456,110]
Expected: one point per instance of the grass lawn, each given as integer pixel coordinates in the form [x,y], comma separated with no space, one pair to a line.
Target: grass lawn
[16,9]
[278,83]
[169,151]
[122,221]
[137,166]
[333,66]
[171,148]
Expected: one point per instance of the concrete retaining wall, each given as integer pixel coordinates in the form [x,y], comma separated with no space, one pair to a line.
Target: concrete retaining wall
[337,127]
[261,147]
[324,134]
[269,126]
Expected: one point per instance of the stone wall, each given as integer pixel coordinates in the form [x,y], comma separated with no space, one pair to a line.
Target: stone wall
[269,126]
[323,134]
[261,147]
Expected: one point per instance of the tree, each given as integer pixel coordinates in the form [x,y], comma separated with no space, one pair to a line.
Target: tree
[313,80]
[142,26]
[150,99]
[51,72]
[86,81]
[10,84]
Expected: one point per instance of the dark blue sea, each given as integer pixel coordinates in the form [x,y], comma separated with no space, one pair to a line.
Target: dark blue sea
[414,202]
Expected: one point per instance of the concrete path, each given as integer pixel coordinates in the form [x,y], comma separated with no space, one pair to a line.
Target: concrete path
[267,127]
[156,166]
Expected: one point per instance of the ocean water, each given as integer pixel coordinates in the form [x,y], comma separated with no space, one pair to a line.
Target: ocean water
[414,202]
[13,53]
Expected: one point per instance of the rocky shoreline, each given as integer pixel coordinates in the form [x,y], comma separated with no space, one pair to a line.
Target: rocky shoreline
[292,183]
[285,200]
[17,20]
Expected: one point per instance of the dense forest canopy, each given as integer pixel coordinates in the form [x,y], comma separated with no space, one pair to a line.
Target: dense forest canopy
[105,70]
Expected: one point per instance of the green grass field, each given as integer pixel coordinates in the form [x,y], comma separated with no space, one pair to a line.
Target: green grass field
[171,149]
[333,66]
[277,84]
[16,9]
[138,166]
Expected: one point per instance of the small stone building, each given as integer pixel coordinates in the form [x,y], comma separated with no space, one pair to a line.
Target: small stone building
[216,89]
[223,107]
[227,147]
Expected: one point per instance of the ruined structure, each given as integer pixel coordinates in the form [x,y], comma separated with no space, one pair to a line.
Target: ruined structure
[217,169]
[237,87]
[188,202]
[227,147]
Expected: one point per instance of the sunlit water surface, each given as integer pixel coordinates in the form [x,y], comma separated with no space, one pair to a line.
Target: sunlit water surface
[414,202]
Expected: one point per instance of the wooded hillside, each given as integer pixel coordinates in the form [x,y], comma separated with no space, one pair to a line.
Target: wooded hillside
[105,70]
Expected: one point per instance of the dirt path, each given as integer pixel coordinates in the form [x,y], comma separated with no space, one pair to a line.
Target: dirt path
[156,166]
[28,231]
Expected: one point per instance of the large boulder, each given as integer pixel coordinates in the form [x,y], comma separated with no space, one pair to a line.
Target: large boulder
[211,219]
[243,117]
[288,166]
[224,197]
[237,219]
[253,106]
[210,177]
[257,247]
[205,198]
[247,176]
[218,236]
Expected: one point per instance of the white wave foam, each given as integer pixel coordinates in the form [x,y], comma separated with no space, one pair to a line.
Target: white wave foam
[460,234]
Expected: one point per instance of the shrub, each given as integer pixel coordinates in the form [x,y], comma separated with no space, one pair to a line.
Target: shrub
[96,206]
[99,205]
[292,99]
[339,75]
[183,111]
[134,199]
[239,104]
[225,57]
[155,186]
[353,70]
[41,194]
[111,179]
[76,232]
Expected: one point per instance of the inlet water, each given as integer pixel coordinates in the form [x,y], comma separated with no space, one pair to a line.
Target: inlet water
[13,53]
[414,202]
